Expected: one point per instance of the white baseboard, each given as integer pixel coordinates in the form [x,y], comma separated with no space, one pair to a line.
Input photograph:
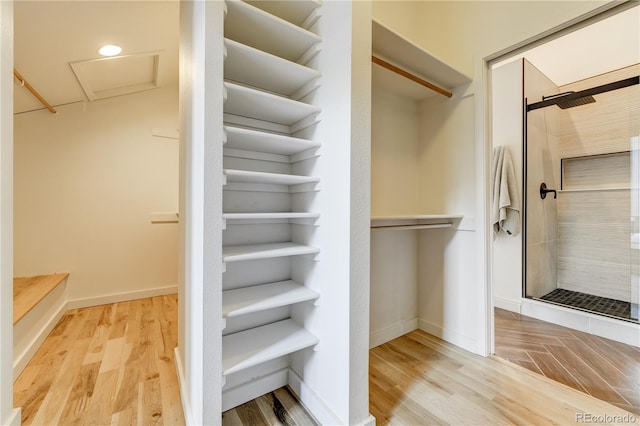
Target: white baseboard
[369,421]
[121,297]
[507,304]
[245,392]
[182,384]
[37,332]
[388,333]
[13,419]
[313,402]
[458,339]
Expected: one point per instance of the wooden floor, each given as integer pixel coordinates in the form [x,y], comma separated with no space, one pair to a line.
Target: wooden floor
[106,365]
[600,367]
[418,379]
[280,407]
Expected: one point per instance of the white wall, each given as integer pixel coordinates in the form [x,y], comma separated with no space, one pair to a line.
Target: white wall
[394,185]
[506,103]
[8,416]
[86,183]
[460,32]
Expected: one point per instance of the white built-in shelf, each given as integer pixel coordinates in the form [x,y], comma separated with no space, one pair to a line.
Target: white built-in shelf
[408,222]
[246,176]
[253,67]
[393,48]
[252,103]
[254,140]
[297,12]
[620,188]
[261,344]
[265,251]
[248,300]
[254,27]
[277,215]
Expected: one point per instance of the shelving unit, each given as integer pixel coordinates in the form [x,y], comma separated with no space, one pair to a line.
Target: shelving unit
[261,297]
[266,193]
[254,67]
[253,140]
[248,102]
[265,251]
[247,176]
[409,222]
[254,27]
[258,345]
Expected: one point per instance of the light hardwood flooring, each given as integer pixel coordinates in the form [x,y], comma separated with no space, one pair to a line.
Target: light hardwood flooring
[106,365]
[279,407]
[418,379]
[600,367]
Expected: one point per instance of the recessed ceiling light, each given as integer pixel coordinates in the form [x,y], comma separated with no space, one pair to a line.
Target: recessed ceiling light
[110,50]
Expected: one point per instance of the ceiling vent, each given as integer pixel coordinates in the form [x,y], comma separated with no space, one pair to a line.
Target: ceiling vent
[118,75]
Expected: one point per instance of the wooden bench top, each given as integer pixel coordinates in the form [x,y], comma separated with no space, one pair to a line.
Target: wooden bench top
[29,291]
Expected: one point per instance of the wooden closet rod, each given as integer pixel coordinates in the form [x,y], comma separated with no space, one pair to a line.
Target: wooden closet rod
[33,91]
[410,76]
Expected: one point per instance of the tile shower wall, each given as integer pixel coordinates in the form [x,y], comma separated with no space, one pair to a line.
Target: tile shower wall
[594,253]
[543,165]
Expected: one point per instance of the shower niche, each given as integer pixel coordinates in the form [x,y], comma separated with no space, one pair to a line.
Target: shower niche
[581,248]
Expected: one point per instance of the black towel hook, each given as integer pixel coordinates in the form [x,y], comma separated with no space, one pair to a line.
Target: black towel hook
[544,191]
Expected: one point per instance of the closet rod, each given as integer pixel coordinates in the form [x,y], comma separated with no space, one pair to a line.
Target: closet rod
[409,227]
[410,76]
[33,91]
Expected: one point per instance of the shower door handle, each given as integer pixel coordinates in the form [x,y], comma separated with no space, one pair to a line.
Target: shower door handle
[544,191]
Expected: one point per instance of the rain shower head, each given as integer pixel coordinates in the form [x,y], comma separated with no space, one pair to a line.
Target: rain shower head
[569,100]
[570,103]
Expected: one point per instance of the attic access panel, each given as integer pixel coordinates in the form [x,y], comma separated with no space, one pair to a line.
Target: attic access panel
[119,75]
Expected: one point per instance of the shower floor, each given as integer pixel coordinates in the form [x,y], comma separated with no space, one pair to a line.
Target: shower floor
[591,303]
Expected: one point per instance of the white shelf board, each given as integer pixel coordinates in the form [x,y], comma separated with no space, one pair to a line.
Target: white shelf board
[252,103]
[261,344]
[265,251]
[278,215]
[387,222]
[254,27]
[401,52]
[261,297]
[295,12]
[246,176]
[254,67]
[254,140]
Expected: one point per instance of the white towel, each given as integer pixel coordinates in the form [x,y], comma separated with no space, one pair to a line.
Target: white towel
[505,211]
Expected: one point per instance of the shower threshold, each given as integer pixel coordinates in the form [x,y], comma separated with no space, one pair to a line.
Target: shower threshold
[590,303]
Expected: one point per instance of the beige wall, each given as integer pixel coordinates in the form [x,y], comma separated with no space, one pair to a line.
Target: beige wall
[86,183]
[459,32]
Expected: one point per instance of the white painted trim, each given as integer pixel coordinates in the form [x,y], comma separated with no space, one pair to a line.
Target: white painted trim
[184,398]
[388,333]
[508,304]
[610,328]
[465,342]
[312,401]
[14,418]
[254,388]
[20,361]
[121,297]
[369,421]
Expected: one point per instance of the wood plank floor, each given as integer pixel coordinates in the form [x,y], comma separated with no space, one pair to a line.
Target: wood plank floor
[106,365]
[418,379]
[600,367]
[280,407]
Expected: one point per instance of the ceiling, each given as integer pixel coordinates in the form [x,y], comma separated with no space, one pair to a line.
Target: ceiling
[49,35]
[604,46]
